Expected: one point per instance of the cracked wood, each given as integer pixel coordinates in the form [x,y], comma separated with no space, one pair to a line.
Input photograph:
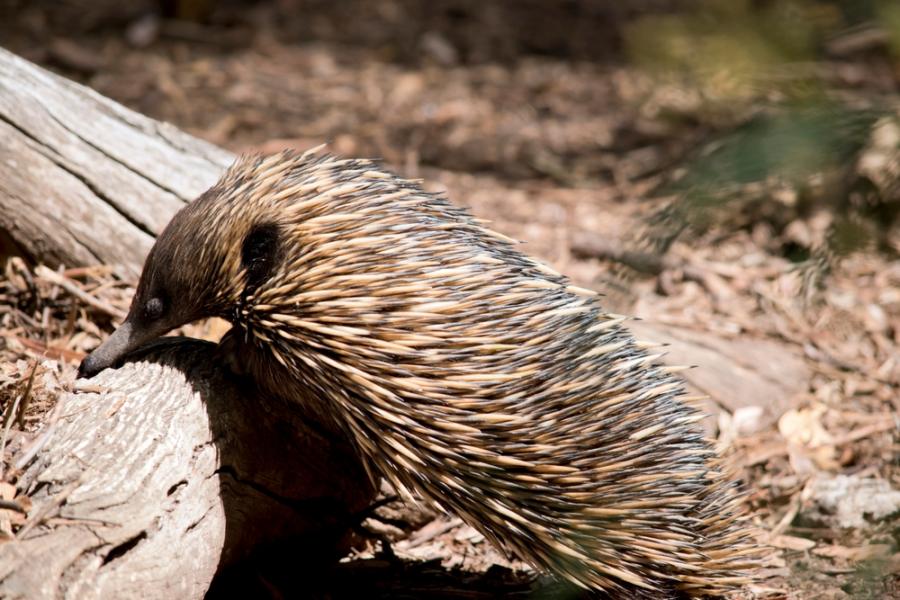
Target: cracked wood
[84,180]
[168,474]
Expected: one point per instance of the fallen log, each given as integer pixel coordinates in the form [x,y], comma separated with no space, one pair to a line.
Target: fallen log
[84,180]
[153,478]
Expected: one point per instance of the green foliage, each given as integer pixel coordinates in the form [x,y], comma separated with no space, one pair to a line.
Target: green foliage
[761,63]
[889,17]
[793,145]
[726,47]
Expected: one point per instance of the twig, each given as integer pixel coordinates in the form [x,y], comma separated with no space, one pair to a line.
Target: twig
[45,435]
[94,270]
[7,425]
[891,423]
[12,505]
[46,351]
[83,386]
[857,434]
[588,246]
[788,517]
[26,398]
[419,539]
[68,285]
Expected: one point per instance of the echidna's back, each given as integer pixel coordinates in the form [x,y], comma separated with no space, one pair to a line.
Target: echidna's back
[467,372]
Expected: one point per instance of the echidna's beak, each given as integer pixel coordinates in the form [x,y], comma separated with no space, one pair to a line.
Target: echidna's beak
[125,339]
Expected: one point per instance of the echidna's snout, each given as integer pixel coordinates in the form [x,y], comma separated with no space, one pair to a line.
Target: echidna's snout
[122,341]
[129,336]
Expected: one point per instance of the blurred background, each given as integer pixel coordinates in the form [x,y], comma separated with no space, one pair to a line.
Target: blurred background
[752,112]
[726,169]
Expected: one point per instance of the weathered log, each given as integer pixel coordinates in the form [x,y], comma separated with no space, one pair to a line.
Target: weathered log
[169,471]
[84,180]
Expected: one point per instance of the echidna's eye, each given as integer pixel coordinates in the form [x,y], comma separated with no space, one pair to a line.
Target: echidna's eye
[258,254]
[153,309]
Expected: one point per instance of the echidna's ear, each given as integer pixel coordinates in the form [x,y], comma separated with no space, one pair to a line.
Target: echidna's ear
[259,254]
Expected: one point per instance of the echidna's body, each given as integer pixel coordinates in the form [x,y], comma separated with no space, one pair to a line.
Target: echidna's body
[462,369]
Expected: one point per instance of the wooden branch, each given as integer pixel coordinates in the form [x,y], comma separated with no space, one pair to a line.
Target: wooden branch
[172,472]
[84,180]
[587,245]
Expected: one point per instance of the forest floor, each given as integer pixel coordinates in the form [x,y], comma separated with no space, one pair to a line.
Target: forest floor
[557,153]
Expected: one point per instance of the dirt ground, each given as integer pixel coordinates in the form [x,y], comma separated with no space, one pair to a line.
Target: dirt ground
[540,119]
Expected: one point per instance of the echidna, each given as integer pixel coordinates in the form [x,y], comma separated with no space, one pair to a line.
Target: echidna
[463,370]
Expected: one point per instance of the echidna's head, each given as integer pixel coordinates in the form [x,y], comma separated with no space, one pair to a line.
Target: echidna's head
[204,264]
[333,266]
